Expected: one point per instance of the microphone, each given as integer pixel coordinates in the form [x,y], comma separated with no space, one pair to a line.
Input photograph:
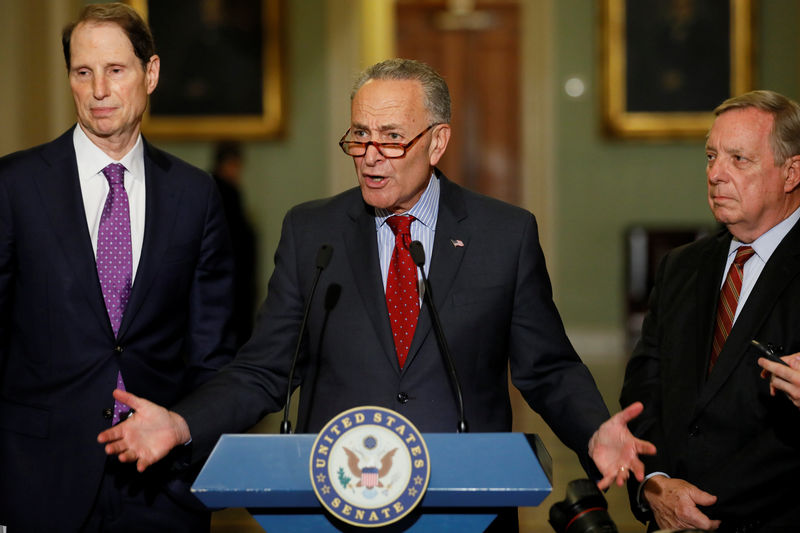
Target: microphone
[418,256]
[323,259]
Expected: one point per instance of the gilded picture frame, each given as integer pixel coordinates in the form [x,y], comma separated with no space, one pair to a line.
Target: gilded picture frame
[222,69]
[667,64]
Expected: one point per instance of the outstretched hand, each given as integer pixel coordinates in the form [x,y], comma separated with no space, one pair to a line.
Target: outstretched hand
[615,450]
[674,503]
[146,436]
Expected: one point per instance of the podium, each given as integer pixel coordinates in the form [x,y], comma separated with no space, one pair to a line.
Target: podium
[473,477]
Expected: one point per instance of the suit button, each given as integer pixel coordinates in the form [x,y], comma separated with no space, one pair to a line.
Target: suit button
[118,349]
[402,397]
[694,431]
[108,413]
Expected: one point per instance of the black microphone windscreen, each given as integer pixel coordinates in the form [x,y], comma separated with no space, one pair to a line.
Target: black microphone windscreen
[417,253]
[324,256]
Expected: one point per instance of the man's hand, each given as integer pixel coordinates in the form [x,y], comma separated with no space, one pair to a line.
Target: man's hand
[783,378]
[674,504]
[615,450]
[147,435]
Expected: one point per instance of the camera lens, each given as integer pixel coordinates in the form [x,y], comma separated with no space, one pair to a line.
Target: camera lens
[584,510]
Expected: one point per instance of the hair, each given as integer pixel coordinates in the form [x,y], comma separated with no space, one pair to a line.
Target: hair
[785,134]
[122,15]
[434,88]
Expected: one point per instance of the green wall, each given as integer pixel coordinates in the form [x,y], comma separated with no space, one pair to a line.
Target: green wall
[281,173]
[603,186]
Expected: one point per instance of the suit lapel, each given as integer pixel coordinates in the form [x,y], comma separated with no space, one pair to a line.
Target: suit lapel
[60,191]
[362,249]
[162,198]
[783,266]
[446,258]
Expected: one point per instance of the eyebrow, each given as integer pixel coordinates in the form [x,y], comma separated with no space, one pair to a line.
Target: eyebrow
[384,128]
[733,150]
[110,64]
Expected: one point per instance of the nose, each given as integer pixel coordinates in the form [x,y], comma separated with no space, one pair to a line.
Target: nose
[100,87]
[372,156]
[714,171]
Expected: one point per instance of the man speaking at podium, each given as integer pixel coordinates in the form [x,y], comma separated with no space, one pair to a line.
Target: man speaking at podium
[368,340]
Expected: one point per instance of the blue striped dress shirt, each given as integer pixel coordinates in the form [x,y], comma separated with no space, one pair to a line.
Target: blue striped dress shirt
[426,212]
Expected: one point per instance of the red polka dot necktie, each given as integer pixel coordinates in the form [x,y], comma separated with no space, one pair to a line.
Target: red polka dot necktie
[728,301]
[114,259]
[402,289]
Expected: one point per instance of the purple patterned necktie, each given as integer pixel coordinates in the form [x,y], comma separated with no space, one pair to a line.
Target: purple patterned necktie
[114,260]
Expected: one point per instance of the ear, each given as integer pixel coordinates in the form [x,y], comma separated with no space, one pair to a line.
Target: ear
[151,72]
[792,174]
[439,139]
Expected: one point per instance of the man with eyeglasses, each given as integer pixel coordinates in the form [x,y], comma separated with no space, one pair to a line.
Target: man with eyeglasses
[491,288]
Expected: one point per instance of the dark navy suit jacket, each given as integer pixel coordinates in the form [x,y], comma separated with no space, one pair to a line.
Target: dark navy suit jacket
[58,355]
[722,432]
[494,297]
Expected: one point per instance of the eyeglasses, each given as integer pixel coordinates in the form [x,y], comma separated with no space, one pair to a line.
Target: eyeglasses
[388,150]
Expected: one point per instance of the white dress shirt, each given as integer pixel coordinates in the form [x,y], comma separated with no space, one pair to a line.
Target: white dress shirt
[94,188]
[763,246]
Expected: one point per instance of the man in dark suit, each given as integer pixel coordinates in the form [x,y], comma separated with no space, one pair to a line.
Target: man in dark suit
[488,279]
[97,198]
[728,450]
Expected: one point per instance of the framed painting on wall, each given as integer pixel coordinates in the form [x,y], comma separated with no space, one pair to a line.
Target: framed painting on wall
[221,69]
[666,64]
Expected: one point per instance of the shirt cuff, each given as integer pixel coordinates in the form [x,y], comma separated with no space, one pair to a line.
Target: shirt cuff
[643,505]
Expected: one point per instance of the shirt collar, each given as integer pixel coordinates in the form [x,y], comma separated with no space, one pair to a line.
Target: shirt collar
[425,210]
[766,244]
[92,160]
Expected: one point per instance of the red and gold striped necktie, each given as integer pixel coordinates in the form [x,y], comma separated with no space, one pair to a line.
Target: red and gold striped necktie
[728,300]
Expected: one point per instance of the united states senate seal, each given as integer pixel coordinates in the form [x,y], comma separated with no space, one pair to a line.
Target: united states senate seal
[369,466]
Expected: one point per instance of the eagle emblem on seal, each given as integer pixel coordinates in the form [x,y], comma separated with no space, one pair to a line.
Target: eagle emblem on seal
[369,466]
[370,475]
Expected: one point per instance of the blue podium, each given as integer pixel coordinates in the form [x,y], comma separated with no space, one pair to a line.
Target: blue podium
[473,476]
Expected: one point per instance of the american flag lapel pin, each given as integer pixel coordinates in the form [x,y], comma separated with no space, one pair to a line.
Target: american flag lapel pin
[457,243]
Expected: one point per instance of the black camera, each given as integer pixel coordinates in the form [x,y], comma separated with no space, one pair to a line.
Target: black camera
[584,510]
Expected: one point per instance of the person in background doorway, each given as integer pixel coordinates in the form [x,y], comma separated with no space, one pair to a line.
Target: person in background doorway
[227,172]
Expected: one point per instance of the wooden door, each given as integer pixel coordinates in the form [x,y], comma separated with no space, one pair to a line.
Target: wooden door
[477,52]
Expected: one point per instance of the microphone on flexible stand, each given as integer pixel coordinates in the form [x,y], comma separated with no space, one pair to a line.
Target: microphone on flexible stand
[323,259]
[418,256]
